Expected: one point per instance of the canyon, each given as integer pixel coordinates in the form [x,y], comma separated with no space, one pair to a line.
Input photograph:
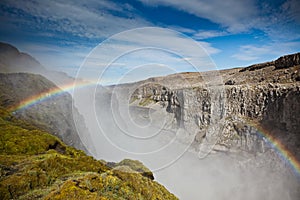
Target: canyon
[263,95]
[204,135]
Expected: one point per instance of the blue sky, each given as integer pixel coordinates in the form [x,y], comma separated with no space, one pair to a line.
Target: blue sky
[61,33]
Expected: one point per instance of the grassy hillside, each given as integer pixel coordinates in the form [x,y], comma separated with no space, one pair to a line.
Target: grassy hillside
[37,165]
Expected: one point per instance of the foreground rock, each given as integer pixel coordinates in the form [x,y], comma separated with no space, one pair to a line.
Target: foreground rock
[49,169]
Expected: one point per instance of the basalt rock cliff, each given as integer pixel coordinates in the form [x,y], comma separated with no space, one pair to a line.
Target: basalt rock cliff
[248,105]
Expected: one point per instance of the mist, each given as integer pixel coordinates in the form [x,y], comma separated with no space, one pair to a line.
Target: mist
[197,46]
[120,129]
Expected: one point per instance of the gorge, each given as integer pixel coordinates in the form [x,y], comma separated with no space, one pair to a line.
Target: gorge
[223,134]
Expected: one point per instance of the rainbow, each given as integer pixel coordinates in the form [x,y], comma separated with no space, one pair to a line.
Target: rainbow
[285,155]
[55,91]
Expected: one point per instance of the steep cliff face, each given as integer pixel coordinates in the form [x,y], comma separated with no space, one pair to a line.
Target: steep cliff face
[54,114]
[272,107]
[263,96]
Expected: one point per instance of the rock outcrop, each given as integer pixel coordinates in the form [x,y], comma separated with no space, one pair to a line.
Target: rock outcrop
[287,61]
[282,62]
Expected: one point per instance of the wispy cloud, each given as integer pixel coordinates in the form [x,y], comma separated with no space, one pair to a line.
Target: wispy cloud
[200,34]
[61,33]
[54,57]
[278,20]
[231,14]
[152,46]
[256,52]
[148,47]
[204,34]
[94,19]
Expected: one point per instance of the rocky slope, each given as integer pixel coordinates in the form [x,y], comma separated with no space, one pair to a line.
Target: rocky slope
[54,114]
[49,169]
[259,97]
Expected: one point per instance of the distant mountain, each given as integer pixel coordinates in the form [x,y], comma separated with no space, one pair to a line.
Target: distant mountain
[12,61]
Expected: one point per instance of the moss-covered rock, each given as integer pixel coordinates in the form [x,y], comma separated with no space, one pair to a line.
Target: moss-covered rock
[37,165]
[110,185]
[137,166]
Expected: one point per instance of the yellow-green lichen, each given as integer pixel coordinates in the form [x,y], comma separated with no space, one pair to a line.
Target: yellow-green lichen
[37,165]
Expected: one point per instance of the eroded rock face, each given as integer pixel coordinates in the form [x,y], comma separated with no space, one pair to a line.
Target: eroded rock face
[241,109]
[265,104]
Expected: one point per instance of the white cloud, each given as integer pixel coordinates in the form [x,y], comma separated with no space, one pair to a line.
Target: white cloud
[153,45]
[204,34]
[55,57]
[201,33]
[168,39]
[99,19]
[279,21]
[91,20]
[60,21]
[255,52]
[148,46]
[182,29]
[232,14]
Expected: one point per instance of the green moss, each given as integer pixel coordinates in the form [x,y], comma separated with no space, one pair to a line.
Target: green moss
[16,140]
[110,185]
[136,166]
[37,165]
